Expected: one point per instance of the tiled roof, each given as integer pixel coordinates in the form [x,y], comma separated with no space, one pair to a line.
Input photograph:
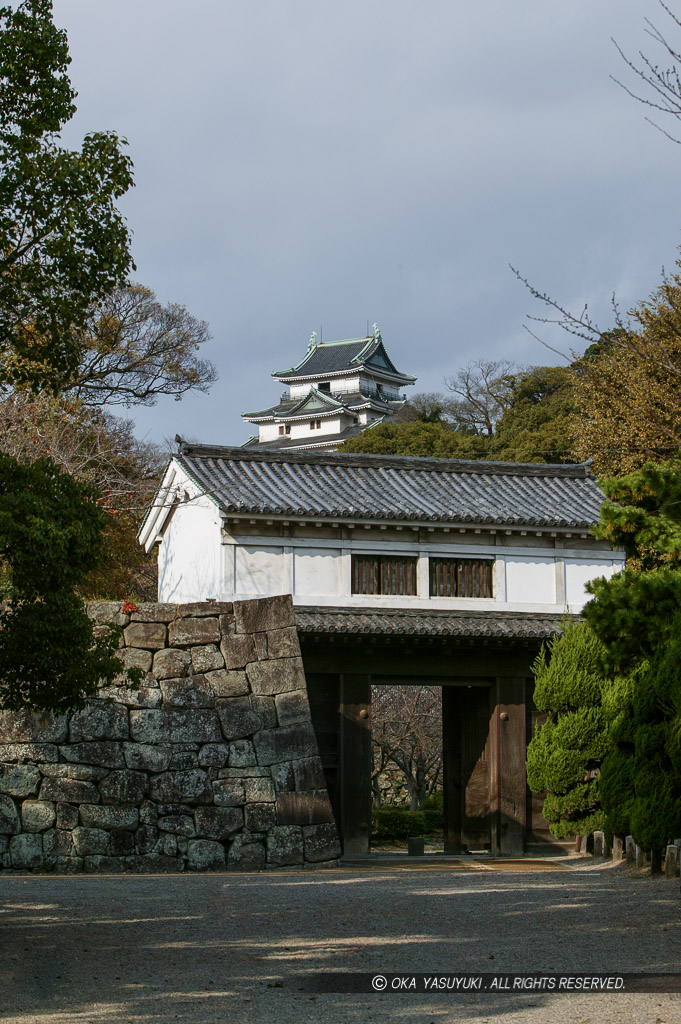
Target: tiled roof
[313,440]
[337,485]
[394,622]
[338,356]
[330,402]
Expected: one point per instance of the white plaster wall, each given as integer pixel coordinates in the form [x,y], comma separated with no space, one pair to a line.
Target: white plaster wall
[269,431]
[317,572]
[258,571]
[189,558]
[580,572]
[530,580]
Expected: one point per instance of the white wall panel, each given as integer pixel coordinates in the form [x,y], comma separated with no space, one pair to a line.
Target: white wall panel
[530,580]
[579,572]
[190,554]
[317,572]
[259,570]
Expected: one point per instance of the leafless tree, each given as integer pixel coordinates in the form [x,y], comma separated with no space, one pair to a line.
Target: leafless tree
[663,85]
[407,733]
[483,393]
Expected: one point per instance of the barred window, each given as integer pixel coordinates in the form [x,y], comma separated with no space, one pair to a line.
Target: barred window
[461,577]
[383,574]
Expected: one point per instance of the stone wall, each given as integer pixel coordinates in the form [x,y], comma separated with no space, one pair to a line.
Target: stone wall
[211,764]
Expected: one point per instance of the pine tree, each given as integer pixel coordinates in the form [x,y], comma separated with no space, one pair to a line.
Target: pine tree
[565,756]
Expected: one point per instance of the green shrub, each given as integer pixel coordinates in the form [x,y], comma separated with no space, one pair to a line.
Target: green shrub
[399,823]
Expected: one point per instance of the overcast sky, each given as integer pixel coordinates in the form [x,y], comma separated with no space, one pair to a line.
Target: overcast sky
[302,165]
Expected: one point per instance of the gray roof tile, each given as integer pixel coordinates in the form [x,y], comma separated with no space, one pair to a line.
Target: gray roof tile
[397,622]
[337,485]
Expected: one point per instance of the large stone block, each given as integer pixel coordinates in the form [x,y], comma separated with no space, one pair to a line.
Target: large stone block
[9,816]
[100,864]
[292,707]
[177,824]
[37,816]
[26,850]
[236,718]
[175,725]
[124,787]
[90,841]
[107,613]
[69,791]
[268,678]
[187,692]
[287,743]
[67,816]
[172,664]
[58,843]
[190,787]
[237,649]
[260,644]
[19,779]
[148,696]
[214,755]
[149,635]
[110,817]
[321,843]
[246,853]
[99,721]
[206,658]
[263,614]
[282,776]
[266,710]
[228,792]
[135,657]
[284,846]
[153,863]
[182,759]
[146,838]
[260,790]
[82,772]
[218,822]
[152,612]
[241,754]
[32,727]
[312,808]
[227,683]
[204,855]
[146,757]
[260,817]
[198,609]
[28,752]
[283,643]
[186,632]
[104,753]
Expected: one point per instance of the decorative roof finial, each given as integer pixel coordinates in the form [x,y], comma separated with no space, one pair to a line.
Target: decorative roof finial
[312,343]
[377,332]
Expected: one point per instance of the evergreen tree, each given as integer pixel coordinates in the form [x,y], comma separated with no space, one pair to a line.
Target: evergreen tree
[565,755]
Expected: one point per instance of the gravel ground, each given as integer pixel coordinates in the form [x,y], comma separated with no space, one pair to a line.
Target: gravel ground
[220,948]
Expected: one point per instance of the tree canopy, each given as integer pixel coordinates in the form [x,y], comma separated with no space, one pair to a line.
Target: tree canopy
[64,245]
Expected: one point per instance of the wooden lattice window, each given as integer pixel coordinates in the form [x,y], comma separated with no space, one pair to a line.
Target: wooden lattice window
[383,574]
[461,577]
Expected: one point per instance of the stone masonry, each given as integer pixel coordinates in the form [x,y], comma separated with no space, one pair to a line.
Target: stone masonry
[211,764]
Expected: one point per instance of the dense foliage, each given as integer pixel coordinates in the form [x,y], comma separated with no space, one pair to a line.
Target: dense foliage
[565,755]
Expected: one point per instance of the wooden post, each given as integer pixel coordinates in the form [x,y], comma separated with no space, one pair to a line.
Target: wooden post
[507,768]
[617,849]
[451,767]
[355,763]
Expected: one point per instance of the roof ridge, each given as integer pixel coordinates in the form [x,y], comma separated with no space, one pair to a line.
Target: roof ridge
[413,463]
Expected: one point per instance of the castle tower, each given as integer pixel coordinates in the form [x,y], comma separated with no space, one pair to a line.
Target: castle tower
[337,390]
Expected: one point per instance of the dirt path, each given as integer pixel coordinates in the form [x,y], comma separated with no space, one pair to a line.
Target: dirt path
[221,948]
